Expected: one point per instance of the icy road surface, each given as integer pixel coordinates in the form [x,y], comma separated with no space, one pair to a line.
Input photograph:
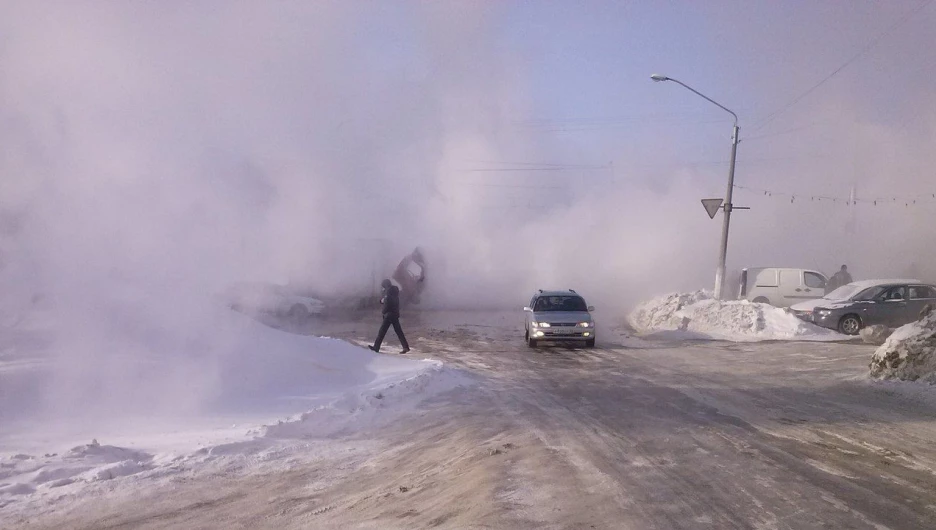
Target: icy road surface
[637,433]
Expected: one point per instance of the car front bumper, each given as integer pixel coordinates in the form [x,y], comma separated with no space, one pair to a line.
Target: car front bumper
[559,334]
[828,320]
[808,316]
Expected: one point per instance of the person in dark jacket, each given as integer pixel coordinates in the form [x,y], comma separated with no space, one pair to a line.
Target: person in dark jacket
[840,278]
[391,316]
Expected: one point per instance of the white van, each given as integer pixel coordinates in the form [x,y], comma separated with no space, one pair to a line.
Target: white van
[781,287]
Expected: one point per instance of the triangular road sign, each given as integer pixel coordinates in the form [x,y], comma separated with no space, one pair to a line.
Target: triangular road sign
[711,206]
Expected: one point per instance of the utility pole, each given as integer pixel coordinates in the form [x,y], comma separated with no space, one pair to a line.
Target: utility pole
[723,250]
[728,206]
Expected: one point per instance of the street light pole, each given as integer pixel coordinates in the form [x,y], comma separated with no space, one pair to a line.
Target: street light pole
[723,249]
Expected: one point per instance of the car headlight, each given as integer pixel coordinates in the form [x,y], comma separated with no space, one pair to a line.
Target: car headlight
[824,312]
[586,324]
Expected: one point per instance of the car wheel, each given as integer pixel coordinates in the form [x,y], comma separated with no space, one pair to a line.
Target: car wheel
[298,313]
[761,300]
[850,325]
[590,343]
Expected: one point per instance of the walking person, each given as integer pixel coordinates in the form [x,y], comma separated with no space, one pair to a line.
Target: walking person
[840,278]
[391,316]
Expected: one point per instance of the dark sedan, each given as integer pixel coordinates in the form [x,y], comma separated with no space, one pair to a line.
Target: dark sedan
[849,308]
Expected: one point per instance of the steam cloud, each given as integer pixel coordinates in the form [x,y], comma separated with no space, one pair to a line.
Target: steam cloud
[152,153]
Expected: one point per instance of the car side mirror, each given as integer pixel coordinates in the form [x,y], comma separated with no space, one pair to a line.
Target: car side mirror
[528,309]
[591,308]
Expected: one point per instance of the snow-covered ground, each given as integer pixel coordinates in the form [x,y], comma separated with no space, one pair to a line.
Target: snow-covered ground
[698,315]
[78,414]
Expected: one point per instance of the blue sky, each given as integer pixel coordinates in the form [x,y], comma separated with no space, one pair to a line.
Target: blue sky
[590,63]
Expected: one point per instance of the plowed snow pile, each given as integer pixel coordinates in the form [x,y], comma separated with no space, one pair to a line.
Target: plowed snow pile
[225,394]
[697,315]
[660,312]
[909,353]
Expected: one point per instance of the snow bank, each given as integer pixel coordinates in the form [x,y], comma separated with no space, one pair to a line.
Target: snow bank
[697,315]
[228,365]
[367,408]
[23,475]
[909,353]
[167,398]
[660,313]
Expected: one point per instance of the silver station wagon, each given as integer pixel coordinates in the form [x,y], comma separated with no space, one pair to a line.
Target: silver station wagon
[559,316]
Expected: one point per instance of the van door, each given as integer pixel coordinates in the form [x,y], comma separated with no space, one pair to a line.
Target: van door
[814,284]
[791,286]
[893,308]
[797,285]
[762,284]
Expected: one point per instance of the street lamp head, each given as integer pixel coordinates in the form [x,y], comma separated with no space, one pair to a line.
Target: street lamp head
[659,77]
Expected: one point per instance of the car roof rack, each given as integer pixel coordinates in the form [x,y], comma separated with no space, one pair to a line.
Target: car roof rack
[541,290]
[572,291]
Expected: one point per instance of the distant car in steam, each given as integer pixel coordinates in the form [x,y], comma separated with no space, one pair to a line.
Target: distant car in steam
[261,298]
[559,316]
[849,308]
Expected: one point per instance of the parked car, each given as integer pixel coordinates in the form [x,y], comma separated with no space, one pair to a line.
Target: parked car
[851,307]
[781,287]
[559,316]
[256,298]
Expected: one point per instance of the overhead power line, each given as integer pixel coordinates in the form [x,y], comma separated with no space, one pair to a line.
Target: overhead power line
[508,169]
[539,164]
[788,131]
[867,47]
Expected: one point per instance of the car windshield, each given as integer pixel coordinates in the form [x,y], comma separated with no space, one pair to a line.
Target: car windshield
[845,292]
[855,293]
[872,293]
[560,303]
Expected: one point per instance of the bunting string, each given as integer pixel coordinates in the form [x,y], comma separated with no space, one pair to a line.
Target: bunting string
[906,200]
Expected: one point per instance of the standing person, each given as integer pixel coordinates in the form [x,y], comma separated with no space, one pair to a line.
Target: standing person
[391,316]
[412,285]
[840,278]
